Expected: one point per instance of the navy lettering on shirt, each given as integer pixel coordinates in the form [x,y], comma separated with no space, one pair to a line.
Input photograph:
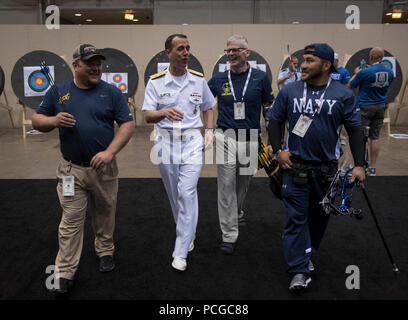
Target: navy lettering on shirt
[321,141]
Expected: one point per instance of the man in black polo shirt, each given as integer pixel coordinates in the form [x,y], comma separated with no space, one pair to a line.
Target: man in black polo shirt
[242,91]
[88,165]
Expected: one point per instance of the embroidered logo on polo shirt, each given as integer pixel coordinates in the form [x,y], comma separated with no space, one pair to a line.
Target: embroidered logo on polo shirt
[63,98]
[226,89]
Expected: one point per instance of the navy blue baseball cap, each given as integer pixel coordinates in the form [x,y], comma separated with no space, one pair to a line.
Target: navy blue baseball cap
[322,50]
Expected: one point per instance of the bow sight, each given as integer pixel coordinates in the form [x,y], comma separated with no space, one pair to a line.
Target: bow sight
[342,183]
[342,186]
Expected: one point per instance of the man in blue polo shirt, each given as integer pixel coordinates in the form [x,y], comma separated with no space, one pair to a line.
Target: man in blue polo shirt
[84,111]
[314,109]
[242,92]
[373,83]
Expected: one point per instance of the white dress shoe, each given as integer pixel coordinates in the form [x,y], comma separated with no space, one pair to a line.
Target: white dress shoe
[179,263]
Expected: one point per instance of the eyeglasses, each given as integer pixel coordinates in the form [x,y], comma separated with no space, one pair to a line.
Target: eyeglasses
[234,50]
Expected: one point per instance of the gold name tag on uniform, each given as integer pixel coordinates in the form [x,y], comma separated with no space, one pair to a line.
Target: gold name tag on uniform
[239,110]
[302,125]
[68,186]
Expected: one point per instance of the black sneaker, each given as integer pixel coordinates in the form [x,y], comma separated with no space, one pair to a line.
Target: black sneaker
[227,247]
[299,281]
[242,222]
[106,264]
[65,285]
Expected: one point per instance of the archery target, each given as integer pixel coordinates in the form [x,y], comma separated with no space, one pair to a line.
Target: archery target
[255,60]
[390,62]
[120,71]
[161,62]
[27,81]
[2,80]
[396,83]
[35,82]
[119,80]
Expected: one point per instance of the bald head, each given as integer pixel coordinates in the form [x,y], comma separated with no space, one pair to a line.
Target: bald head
[376,54]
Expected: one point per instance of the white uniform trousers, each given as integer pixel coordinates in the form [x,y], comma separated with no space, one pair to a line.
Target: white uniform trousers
[180,178]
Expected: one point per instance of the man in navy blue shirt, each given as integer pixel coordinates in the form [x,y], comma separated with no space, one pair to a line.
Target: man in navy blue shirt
[314,109]
[84,110]
[342,74]
[242,94]
[373,83]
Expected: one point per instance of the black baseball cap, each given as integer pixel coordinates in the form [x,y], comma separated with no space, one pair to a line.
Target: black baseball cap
[86,52]
[322,50]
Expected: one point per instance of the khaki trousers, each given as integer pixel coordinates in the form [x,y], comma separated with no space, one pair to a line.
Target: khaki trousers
[102,188]
[232,184]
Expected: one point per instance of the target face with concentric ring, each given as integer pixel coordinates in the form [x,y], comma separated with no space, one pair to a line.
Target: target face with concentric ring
[120,71]
[27,81]
[161,62]
[37,82]
[117,78]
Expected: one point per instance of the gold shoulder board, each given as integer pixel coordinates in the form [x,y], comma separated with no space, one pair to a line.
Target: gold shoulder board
[196,73]
[158,75]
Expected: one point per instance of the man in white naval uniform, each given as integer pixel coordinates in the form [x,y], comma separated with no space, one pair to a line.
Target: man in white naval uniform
[173,100]
[289,74]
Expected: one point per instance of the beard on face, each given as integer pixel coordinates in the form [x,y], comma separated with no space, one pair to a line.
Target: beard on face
[315,74]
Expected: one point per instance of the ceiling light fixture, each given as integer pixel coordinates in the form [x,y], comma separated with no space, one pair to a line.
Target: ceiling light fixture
[396,14]
[129,16]
[135,20]
[88,20]
[78,14]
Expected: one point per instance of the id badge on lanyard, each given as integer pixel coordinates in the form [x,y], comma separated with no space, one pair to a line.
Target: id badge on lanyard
[239,106]
[68,184]
[304,122]
[239,110]
[302,125]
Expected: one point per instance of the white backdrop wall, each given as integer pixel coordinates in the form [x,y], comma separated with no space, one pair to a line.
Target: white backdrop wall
[141,43]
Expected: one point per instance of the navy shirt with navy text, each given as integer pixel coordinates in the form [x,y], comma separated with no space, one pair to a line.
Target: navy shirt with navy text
[321,141]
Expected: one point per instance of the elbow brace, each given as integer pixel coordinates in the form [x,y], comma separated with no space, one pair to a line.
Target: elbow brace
[356,140]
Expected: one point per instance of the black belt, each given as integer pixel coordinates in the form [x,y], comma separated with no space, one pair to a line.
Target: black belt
[82,164]
[311,163]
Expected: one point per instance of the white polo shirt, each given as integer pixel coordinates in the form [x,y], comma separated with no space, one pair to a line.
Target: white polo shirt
[284,72]
[189,96]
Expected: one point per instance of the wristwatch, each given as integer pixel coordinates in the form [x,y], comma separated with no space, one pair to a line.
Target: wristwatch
[277,152]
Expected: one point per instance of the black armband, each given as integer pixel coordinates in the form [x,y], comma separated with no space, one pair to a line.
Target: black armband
[275,134]
[356,140]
